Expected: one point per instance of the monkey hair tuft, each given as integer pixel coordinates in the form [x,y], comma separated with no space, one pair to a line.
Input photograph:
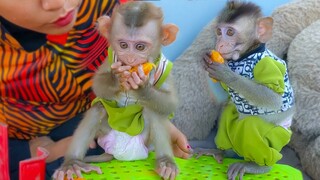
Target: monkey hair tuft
[136,14]
[235,10]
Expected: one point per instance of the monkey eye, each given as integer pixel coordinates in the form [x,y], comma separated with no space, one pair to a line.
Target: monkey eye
[140,47]
[123,45]
[230,32]
[218,32]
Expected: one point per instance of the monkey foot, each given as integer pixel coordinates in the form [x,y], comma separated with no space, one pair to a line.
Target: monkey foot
[240,168]
[167,168]
[216,153]
[73,168]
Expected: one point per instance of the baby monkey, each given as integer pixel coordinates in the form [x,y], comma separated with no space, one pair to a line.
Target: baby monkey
[132,107]
[255,123]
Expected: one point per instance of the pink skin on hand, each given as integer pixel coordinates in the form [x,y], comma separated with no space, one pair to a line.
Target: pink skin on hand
[129,80]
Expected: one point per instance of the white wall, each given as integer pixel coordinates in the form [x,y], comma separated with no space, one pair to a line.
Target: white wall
[192,15]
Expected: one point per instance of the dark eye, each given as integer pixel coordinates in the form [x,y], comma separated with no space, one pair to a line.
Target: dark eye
[230,32]
[140,47]
[218,32]
[123,45]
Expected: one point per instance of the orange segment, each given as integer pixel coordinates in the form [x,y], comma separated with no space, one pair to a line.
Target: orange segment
[147,67]
[216,57]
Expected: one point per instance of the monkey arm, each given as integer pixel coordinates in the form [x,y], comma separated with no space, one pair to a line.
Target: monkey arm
[267,87]
[105,84]
[85,133]
[159,100]
[256,93]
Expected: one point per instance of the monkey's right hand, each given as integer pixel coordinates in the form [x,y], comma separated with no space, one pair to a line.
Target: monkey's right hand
[122,72]
[119,69]
[73,168]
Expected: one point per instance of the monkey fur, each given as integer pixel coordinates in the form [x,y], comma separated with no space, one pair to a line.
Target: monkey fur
[257,95]
[136,33]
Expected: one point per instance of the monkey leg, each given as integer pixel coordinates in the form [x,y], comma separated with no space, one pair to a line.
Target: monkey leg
[98,158]
[257,141]
[159,136]
[83,135]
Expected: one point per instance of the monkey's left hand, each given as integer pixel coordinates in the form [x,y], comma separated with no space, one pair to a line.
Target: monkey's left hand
[74,167]
[136,80]
[218,71]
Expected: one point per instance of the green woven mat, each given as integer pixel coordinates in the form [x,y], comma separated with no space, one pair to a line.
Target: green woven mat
[204,168]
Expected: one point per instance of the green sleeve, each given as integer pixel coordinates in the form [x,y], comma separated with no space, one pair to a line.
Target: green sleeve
[270,73]
[224,86]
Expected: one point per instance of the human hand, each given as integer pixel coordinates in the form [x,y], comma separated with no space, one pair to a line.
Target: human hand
[55,149]
[39,142]
[180,145]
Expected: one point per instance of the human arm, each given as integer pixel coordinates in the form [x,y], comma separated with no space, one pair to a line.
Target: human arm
[56,149]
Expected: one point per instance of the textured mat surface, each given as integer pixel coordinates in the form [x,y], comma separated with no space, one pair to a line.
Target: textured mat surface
[204,168]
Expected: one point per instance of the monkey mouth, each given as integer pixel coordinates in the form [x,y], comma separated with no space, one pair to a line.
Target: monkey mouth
[131,62]
[224,55]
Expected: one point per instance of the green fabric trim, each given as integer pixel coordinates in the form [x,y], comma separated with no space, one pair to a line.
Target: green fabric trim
[171,116]
[156,62]
[224,86]
[165,74]
[270,73]
[251,137]
[127,119]
[110,56]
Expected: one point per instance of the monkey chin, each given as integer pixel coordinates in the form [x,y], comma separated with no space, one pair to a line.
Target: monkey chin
[235,56]
[231,56]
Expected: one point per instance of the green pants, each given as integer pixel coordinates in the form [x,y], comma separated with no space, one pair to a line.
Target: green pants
[252,138]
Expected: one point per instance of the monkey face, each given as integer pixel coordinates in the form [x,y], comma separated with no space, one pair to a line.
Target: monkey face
[133,52]
[227,41]
[135,45]
[234,39]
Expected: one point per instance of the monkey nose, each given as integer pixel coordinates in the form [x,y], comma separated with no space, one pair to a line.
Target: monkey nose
[131,60]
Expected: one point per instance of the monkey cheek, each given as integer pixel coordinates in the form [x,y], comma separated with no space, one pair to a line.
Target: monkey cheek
[235,55]
[228,55]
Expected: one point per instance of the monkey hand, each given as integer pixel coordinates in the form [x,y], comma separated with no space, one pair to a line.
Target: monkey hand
[121,72]
[218,71]
[167,168]
[136,80]
[73,168]
[240,168]
[216,153]
[118,68]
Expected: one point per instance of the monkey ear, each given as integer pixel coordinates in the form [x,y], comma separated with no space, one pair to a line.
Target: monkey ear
[264,30]
[169,34]
[104,26]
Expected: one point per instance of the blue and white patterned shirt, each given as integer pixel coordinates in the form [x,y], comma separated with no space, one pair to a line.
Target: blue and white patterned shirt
[245,67]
